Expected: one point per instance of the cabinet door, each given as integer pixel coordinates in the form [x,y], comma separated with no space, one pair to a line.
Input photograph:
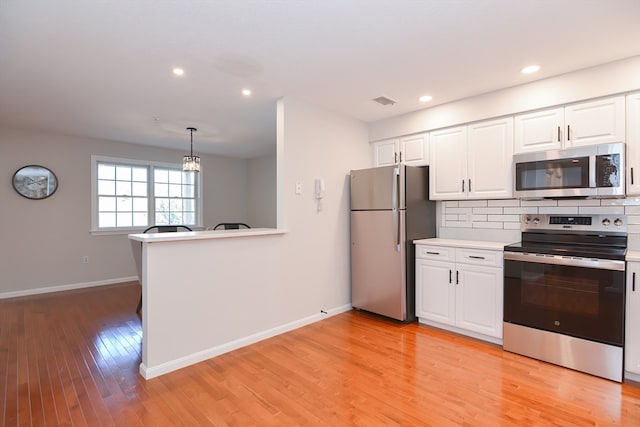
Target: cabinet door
[633,143]
[479,299]
[539,131]
[414,150]
[385,153]
[595,122]
[489,159]
[435,292]
[448,171]
[632,333]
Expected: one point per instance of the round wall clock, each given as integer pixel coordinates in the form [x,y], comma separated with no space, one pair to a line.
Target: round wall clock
[35,182]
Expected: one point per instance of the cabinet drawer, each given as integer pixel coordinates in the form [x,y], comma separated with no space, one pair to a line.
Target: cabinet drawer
[441,253]
[479,257]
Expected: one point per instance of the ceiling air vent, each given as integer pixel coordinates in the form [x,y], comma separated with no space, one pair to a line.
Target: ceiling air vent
[383,100]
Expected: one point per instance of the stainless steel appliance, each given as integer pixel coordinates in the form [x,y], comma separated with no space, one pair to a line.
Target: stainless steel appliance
[591,171]
[564,292]
[390,208]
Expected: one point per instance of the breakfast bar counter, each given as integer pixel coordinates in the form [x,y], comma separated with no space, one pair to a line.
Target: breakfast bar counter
[201,291]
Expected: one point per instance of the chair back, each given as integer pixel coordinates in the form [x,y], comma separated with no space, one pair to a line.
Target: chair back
[230,226]
[166,228]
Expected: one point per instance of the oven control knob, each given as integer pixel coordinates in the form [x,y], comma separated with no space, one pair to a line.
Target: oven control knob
[618,222]
[536,220]
[527,220]
[606,222]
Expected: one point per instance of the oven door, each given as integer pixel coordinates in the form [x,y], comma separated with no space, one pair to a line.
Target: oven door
[583,298]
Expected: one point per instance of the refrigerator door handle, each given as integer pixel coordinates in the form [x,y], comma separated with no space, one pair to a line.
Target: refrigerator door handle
[395,204]
[395,191]
[398,232]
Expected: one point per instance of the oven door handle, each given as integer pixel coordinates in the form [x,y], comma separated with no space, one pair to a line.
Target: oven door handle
[602,264]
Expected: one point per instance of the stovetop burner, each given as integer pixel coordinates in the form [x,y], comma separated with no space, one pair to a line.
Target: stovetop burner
[585,236]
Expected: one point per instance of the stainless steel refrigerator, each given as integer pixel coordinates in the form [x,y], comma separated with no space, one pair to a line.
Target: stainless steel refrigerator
[390,208]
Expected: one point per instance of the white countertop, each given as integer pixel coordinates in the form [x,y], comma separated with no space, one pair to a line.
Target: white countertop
[201,235]
[633,256]
[473,244]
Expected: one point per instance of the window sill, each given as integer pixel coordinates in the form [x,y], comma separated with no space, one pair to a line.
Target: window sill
[131,231]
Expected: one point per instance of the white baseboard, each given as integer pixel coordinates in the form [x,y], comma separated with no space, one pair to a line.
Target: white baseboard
[461,331]
[164,368]
[632,377]
[49,289]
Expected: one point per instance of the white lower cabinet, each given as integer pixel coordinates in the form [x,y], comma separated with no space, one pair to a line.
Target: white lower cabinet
[460,289]
[632,322]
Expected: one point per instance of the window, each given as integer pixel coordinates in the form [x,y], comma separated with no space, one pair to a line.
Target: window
[130,194]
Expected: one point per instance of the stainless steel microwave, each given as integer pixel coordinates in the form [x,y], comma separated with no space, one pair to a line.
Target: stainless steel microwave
[595,171]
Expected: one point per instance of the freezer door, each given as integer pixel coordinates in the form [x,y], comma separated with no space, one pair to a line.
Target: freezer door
[378,188]
[378,276]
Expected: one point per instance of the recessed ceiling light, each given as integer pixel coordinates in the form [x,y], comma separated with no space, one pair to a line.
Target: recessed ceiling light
[425,98]
[246,92]
[530,69]
[178,71]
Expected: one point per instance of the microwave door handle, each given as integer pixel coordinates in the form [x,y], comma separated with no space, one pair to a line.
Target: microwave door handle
[592,171]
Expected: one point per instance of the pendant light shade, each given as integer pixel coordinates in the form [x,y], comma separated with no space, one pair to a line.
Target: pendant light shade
[191,163]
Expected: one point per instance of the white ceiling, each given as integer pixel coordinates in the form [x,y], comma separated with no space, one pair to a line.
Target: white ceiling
[103,68]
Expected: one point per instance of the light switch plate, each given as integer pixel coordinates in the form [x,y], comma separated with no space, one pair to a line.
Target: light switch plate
[298,188]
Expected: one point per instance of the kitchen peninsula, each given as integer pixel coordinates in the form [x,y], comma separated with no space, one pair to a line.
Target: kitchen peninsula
[194,288]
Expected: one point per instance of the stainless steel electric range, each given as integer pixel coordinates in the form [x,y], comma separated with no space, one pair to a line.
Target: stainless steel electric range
[564,292]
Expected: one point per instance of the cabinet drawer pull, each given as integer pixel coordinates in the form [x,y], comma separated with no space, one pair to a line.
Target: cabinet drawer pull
[433,253]
[568,133]
[631,176]
[476,257]
[558,133]
[457,277]
[633,283]
[450,276]
[463,185]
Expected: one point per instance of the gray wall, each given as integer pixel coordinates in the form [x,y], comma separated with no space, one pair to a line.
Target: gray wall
[261,209]
[43,241]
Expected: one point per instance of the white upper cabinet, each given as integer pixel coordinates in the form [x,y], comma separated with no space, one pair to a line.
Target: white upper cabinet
[385,152]
[587,123]
[448,171]
[414,150]
[472,162]
[408,150]
[595,122]
[633,144]
[489,159]
[539,131]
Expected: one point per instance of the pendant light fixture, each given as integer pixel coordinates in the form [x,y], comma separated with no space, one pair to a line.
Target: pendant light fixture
[191,163]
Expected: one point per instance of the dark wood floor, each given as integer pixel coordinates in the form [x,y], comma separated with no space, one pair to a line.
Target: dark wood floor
[72,358]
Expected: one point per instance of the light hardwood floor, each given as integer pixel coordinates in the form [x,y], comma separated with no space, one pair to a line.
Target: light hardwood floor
[72,358]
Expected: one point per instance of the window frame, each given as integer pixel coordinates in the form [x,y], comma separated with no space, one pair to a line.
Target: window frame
[150,165]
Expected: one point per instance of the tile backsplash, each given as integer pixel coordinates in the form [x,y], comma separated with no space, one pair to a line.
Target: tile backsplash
[499,220]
